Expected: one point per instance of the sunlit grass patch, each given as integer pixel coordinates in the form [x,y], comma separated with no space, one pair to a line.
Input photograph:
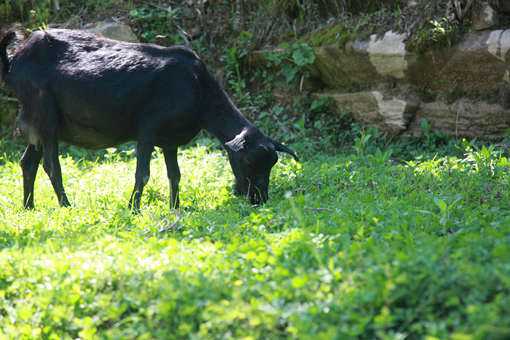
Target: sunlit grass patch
[348,246]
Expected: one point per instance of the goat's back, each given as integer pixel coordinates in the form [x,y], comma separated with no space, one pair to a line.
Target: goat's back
[86,56]
[103,87]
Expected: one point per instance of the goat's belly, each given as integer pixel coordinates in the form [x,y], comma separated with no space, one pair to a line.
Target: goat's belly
[90,138]
[172,133]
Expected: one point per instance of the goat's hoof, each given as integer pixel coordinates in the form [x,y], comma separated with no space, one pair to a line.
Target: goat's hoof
[134,210]
[176,212]
[64,201]
[134,207]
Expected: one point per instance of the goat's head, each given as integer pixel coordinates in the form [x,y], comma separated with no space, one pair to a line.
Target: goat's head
[252,156]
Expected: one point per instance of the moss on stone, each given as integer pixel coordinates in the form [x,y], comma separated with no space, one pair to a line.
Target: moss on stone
[337,35]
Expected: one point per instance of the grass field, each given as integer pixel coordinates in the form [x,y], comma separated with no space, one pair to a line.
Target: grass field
[355,245]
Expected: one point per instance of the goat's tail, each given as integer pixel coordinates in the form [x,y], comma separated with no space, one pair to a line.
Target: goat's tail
[6,40]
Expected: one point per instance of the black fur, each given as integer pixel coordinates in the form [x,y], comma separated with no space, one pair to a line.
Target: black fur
[96,93]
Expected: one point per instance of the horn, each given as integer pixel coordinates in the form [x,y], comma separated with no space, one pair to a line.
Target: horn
[282,148]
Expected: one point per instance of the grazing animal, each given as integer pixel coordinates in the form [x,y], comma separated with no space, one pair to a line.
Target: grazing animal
[95,93]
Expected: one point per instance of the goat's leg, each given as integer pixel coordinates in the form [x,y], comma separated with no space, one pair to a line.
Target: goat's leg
[29,165]
[173,173]
[143,158]
[51,165]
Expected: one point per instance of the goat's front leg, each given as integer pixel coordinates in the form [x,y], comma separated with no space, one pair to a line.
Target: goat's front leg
[29,165]
[174,174]
[51,165]
[143,158]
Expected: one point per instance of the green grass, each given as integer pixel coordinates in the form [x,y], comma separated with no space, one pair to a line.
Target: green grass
[349,246]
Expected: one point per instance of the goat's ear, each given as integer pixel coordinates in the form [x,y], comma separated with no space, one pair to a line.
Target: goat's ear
[238,143]
[282,148]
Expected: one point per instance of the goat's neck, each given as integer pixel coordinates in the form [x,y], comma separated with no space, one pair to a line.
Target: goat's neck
[224,120]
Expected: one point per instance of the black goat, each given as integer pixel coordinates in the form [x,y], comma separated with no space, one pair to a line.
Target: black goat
[94,92]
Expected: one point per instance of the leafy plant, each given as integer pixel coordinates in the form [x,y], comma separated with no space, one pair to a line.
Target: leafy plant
[361,142]
[155,22]
[234,61]
[435,33]
[292,60]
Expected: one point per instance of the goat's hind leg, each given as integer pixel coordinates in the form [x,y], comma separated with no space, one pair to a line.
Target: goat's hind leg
[174,174]
[44,130]
[51,165]
[44,107]
[143,158]
[29,165]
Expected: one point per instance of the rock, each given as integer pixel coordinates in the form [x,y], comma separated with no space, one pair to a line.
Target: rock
[484,18]
[361,63]
[412,3]
[345,68]
[499,44]
[388,114]
[473,68]
[388,55]
[113,30]
[464,118]
[396,113]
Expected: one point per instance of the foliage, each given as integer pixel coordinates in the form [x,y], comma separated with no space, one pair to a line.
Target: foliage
[331,8]
[37,14]
[336,35]
[235,58]
[291,60]
[435,33]
[152,22]
[359,27]
[349,246]
[254,89]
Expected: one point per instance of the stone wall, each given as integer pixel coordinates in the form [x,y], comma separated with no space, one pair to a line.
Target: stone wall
[463,90]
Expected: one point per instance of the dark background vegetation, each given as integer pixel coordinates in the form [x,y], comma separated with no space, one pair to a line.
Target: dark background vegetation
[227,34]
